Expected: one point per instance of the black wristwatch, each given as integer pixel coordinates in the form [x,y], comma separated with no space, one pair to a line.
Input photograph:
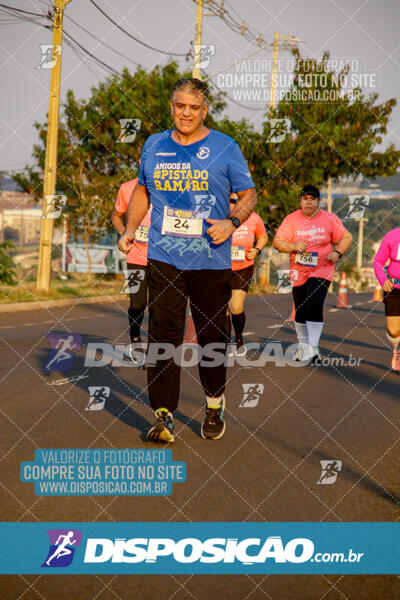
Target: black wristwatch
[258,250]
[235,221]
[340,254]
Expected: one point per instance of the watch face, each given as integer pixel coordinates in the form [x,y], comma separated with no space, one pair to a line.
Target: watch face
[235,221]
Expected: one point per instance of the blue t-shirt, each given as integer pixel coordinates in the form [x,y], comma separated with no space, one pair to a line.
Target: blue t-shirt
[196,180]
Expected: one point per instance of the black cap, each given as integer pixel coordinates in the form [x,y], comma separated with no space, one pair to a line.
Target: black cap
[310,190]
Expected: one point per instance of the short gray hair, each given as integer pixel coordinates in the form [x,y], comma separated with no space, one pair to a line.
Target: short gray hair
[192,85]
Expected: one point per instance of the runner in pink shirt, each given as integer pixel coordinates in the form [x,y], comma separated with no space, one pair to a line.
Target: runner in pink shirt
[136,275]
[308,235]
[247,242]
[389,278]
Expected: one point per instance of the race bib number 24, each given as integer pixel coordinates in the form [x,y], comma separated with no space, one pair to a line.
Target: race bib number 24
[181,223]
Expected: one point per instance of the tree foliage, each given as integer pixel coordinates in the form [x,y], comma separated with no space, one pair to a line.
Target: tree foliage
[7,266]
[333,133]
[335,138]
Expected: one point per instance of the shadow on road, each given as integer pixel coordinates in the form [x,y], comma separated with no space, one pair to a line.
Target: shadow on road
[122,391]
[347,473]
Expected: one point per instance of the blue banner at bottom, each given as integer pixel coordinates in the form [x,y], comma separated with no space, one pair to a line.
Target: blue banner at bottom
[197,548]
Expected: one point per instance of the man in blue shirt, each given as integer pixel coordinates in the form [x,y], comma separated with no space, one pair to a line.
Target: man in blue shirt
[187,174]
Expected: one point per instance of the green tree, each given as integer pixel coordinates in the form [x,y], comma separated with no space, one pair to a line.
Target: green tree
[333,136]
[7,266]
[92,162]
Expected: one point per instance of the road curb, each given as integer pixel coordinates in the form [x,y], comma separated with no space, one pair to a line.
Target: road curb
[46,304]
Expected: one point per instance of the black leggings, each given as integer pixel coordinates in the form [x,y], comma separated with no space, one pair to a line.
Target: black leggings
[209,292]
[309,299]
[137,281]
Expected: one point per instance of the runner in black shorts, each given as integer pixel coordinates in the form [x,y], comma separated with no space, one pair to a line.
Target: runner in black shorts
[247,242]
[136,275]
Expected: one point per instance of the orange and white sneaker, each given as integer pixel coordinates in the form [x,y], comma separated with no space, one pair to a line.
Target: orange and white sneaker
[396,360]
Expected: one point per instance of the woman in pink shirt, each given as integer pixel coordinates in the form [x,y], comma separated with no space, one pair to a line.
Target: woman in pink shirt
[247,242]
[308,235]
[136,276]
[389,278]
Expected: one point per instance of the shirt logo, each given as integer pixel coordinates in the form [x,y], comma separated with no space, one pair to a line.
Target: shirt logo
[203,152]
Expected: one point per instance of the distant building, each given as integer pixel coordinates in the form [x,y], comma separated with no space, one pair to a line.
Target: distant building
[20,218]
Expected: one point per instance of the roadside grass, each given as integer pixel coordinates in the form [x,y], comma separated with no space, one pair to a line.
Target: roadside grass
[77,286]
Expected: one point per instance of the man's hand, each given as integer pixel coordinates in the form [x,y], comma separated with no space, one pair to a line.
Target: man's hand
[300,246]
[126,241]
[387,286]
[220,230]
[333,257]
[252,253]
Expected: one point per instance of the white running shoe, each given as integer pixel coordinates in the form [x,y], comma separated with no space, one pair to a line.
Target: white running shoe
[137,354]
[302,353]
[306,353]
[241,350]
[315,353]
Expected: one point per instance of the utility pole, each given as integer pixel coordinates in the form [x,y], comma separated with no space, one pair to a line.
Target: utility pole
[197,40]
[360,241]
[264,268]
[50,169]
[288,41]
[274,74]
[329,190]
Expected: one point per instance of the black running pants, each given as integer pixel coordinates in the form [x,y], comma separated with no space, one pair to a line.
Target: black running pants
[209,292]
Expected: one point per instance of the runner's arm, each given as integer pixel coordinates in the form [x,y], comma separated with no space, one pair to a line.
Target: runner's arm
[379,263]
[137,210]
[116,220]
[341,246]
[222,229]
[245,205]
[261,242]
[283,245]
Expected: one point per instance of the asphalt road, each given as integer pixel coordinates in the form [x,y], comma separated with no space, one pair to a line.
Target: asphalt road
[265,468]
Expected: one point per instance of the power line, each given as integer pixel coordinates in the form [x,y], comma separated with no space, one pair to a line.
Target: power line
[83,58]
[133,37]
[231,99]
[19,10]
[78,48]
[18,18]
[249,33]
[102,42]
[98,60]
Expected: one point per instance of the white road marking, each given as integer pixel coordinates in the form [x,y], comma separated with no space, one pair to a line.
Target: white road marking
[71,380]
